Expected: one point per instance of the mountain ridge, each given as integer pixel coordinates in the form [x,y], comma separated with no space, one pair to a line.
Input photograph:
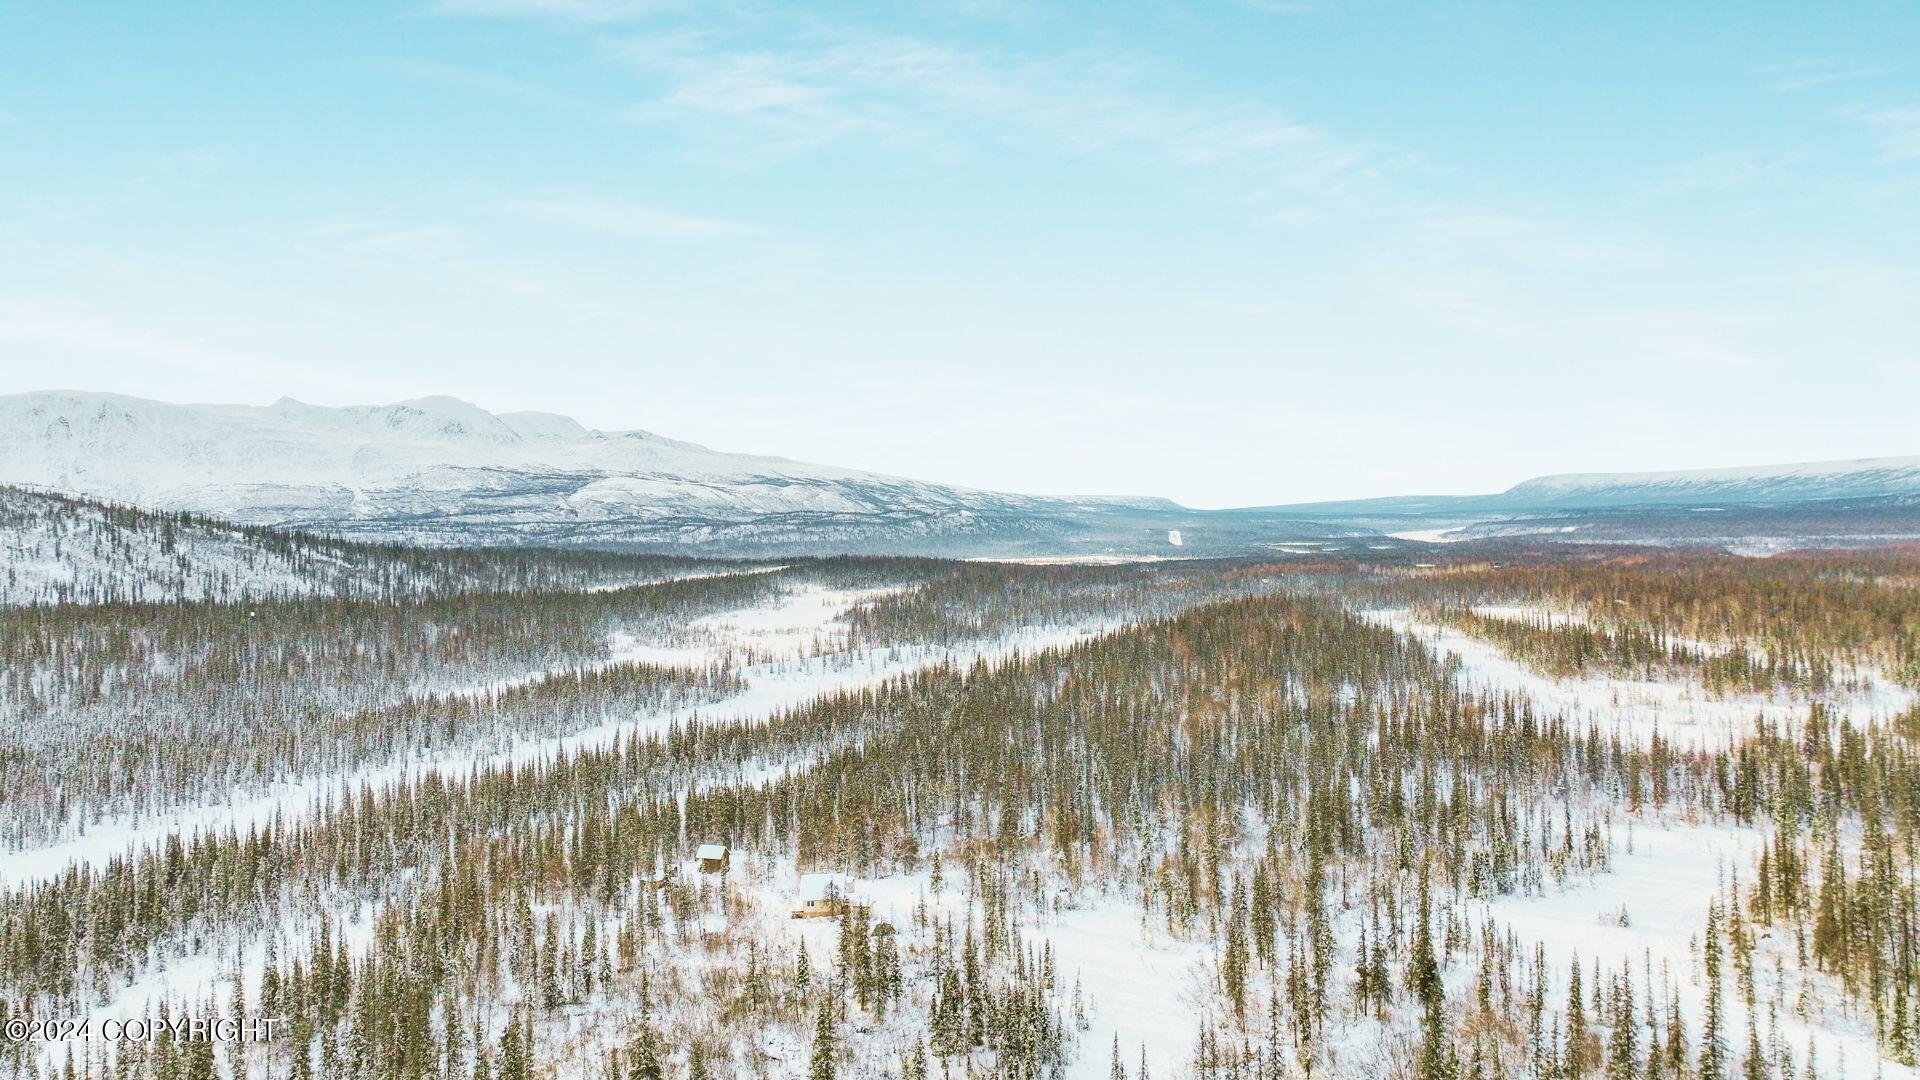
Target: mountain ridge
[1797,481]
[1846,478]
[439,470]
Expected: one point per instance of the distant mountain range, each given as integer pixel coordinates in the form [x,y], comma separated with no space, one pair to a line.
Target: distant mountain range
[440,471]
[1860,478]
[1752,508]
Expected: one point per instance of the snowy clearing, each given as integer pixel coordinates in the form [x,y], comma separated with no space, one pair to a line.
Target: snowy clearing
[1682,712]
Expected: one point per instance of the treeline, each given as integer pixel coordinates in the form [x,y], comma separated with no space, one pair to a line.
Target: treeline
[1801,618]
[964,601]
[234,696]
[1568,647]
[124,709]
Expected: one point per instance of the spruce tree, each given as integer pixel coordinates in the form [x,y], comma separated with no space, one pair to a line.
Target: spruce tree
[820,1064]
[1713,1047]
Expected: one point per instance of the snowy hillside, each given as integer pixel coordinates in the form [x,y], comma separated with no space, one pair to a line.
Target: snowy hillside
[55,549]
[440,471]
[1864,502]
[62,550]
[1854,479]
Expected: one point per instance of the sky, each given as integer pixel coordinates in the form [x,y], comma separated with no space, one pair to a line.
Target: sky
[1235,254]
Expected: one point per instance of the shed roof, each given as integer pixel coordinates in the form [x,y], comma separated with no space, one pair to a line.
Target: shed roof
[713,851]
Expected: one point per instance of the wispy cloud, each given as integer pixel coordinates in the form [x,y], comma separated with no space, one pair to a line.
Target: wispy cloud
[424,242]
[751,82]
[49,327]
[1898,130]
[1682,339]
[1801,75]
[626,219]
[1283,7]
[467,80]
[820,85]
[1722,171]
[752,85]
[585,11]
[1532,243]
[1551,315]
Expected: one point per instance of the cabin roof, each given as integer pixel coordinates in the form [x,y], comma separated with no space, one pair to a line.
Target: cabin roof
[817,886]
[713,851]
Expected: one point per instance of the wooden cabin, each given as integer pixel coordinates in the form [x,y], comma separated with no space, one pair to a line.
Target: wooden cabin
[713,858]
[822,896]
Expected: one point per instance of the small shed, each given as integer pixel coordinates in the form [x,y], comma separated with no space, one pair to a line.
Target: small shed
[713,858]
[822,896]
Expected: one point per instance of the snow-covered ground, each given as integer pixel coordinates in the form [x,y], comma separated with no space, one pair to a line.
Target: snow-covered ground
[1139,984]
[1428,536]
[1682,712]
[803,623]
[57,550]
[800,656]
[1647,913]
[1650,907]
[1135,981]
[1073,560]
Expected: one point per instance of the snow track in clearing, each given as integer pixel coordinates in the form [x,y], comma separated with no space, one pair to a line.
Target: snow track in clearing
[1684,713]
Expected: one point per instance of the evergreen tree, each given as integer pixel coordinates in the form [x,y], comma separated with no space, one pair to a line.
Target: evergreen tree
[820,1063]
[1713,1048]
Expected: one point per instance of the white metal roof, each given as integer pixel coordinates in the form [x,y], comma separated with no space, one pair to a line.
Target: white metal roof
[817,886]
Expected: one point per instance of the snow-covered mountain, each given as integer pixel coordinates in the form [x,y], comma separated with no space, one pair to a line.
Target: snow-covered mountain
[1861,478]
[1861,502]
[442,471]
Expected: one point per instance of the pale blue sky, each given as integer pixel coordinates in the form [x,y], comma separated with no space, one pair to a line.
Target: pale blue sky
[1234,254]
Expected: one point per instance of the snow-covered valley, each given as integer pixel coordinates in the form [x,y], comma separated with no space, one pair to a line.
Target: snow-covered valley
[1156,819]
